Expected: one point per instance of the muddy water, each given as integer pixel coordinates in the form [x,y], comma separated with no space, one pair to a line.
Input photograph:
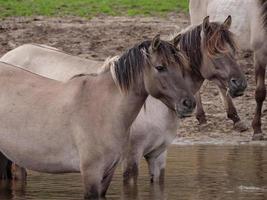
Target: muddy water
[196,172]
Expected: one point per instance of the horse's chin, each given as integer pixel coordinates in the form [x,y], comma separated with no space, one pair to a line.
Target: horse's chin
[182,115]
[239,94]
[235,94]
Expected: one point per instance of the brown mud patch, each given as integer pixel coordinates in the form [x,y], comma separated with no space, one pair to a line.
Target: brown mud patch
[105,36]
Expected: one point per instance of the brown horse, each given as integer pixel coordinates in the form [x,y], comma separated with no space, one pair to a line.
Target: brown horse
[250,28]
[82,125]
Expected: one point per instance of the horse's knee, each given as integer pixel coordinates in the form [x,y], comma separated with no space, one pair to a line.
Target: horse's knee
[260,67]
[161,160]
[157,167]
[130,172]
[260,93]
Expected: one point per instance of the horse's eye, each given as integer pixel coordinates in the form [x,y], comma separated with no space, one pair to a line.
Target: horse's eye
[161,68]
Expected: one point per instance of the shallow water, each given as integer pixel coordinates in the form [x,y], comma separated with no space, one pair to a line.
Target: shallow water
[195,172]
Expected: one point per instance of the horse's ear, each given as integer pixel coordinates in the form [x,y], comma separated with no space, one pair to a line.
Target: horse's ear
[227,23]
[206,24]
[176,40]
[155,42]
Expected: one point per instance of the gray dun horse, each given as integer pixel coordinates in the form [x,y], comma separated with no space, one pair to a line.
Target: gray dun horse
[250,28]
[156,126]
[82,125]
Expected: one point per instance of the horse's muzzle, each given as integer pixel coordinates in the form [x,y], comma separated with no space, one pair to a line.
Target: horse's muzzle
[186,107]
[237,87]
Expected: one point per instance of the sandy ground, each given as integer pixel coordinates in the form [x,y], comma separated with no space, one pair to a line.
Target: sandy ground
[108,36]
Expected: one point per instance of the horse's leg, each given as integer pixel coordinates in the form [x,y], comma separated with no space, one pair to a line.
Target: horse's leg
[106,182]
[5,168]
[91,175]
[260,95]
[18,173]
[200,114]
[156,167]
[130,168]
[231,112]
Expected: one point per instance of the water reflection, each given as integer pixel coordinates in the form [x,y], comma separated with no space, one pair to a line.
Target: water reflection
[193,173]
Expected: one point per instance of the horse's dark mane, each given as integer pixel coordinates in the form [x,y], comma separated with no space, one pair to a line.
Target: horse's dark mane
[190,43]
[215,42]
[131,64]
[263,4]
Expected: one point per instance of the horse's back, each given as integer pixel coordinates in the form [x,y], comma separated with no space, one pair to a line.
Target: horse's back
[197,10]
[34,120]
[244,15]
[49,62]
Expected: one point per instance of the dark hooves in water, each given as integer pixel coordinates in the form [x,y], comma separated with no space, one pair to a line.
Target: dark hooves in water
[240,126]
[259,137]
[94,197]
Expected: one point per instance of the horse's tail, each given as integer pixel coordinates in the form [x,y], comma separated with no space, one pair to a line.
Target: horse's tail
[5,168]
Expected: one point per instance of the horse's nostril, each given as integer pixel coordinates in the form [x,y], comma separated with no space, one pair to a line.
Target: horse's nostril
[234,82]
[188,103]
[238,83]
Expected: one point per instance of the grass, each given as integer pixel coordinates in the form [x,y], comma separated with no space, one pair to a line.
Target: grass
[89,8]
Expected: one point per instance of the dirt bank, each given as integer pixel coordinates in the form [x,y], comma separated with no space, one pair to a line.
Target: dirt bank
[108,36]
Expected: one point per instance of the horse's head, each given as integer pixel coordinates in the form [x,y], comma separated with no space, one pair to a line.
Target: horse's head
[163,77]
[211,49]
[159,67]
[219,63]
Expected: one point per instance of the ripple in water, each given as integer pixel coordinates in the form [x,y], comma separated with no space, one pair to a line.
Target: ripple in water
[194,172]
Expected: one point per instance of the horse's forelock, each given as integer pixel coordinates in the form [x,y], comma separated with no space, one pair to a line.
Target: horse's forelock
[170,55]
[217,39]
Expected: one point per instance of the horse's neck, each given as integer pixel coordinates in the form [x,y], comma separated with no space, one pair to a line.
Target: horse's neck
[196,81]
[116,110]
[194,52]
